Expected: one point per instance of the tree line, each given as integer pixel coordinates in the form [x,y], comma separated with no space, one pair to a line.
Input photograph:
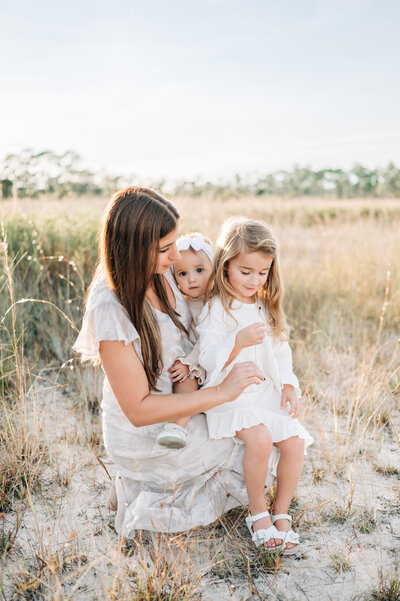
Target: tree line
[31,174]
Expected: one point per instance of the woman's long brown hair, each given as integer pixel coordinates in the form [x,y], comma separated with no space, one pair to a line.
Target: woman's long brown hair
[135,221]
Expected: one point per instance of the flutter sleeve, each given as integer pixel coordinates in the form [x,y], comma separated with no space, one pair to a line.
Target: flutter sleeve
[192,361]
[105,321]
[217,339]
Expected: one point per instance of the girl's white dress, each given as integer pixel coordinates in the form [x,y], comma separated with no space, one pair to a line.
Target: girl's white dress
[259,403]
[161,489]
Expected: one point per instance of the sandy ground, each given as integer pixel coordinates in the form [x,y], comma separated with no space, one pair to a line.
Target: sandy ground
[67,548]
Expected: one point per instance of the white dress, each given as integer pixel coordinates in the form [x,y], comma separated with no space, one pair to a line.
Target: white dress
[258,404]
[160,489]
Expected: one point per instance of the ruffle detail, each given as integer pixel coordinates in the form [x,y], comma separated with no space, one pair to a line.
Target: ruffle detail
[289,537]
[106,321]
[195,371]
[225,425]
[261,536]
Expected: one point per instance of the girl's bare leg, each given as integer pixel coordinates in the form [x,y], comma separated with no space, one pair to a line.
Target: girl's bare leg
[258,443]
[288,474]
[188,385]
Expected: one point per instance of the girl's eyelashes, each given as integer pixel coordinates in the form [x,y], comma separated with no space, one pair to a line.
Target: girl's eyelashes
[199,269]
[164,250]
[262,274]
[182,273]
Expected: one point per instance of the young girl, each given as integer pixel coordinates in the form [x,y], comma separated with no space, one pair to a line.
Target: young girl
[244,321]
[192,272]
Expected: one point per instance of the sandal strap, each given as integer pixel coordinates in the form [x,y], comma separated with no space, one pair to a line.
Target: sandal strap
[288,537]
[253,518]
[281,516]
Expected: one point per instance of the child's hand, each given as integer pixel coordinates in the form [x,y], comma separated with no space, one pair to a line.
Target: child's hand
[179,372]
[289,396]
[251,335]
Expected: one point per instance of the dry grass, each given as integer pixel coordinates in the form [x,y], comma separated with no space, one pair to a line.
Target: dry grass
[341,265]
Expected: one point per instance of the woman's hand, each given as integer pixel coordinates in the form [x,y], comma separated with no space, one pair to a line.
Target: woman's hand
[128,381]
[240,376]
[289,396]
[179,372]
[251,335]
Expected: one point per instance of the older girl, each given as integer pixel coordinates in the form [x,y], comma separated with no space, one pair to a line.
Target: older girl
[244,321]
[136,322]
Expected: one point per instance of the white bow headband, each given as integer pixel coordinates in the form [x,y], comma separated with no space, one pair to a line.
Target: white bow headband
[196,244]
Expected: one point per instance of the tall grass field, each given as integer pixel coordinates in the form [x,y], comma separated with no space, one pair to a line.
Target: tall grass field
[340,261]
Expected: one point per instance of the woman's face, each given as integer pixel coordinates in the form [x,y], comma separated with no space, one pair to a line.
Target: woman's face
[167,251]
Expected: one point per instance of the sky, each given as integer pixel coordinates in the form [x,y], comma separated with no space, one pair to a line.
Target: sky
[181,89]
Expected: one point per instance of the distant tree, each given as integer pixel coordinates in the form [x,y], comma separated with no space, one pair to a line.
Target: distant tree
[337,181]
[6,188]
[30,174]
[366,181]
[46,172]
[19,170]
[391,177]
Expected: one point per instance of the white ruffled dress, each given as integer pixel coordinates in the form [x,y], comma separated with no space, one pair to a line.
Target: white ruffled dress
[258,404]
[160,489]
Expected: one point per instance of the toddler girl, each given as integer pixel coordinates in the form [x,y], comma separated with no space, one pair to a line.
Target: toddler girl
[244,321]
[191,272]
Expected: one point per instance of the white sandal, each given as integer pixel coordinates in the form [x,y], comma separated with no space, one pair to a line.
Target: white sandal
[287,537]
[172,436]
[262,536]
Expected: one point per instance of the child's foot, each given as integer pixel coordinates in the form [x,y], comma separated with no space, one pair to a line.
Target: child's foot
[263,533]
[263,524]
[284,524]
[172,436]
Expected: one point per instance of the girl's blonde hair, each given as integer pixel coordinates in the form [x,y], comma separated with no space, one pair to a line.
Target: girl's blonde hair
[242,235]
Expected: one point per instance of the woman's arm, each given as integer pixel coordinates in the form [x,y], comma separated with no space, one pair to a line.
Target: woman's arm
[128,381]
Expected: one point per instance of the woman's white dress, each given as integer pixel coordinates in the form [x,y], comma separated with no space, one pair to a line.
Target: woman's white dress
[259,403]
[160,489]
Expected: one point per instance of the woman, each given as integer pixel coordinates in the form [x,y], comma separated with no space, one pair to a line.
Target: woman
[136,322]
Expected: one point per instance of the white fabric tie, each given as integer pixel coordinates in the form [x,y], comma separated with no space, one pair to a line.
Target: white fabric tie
[196,244]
